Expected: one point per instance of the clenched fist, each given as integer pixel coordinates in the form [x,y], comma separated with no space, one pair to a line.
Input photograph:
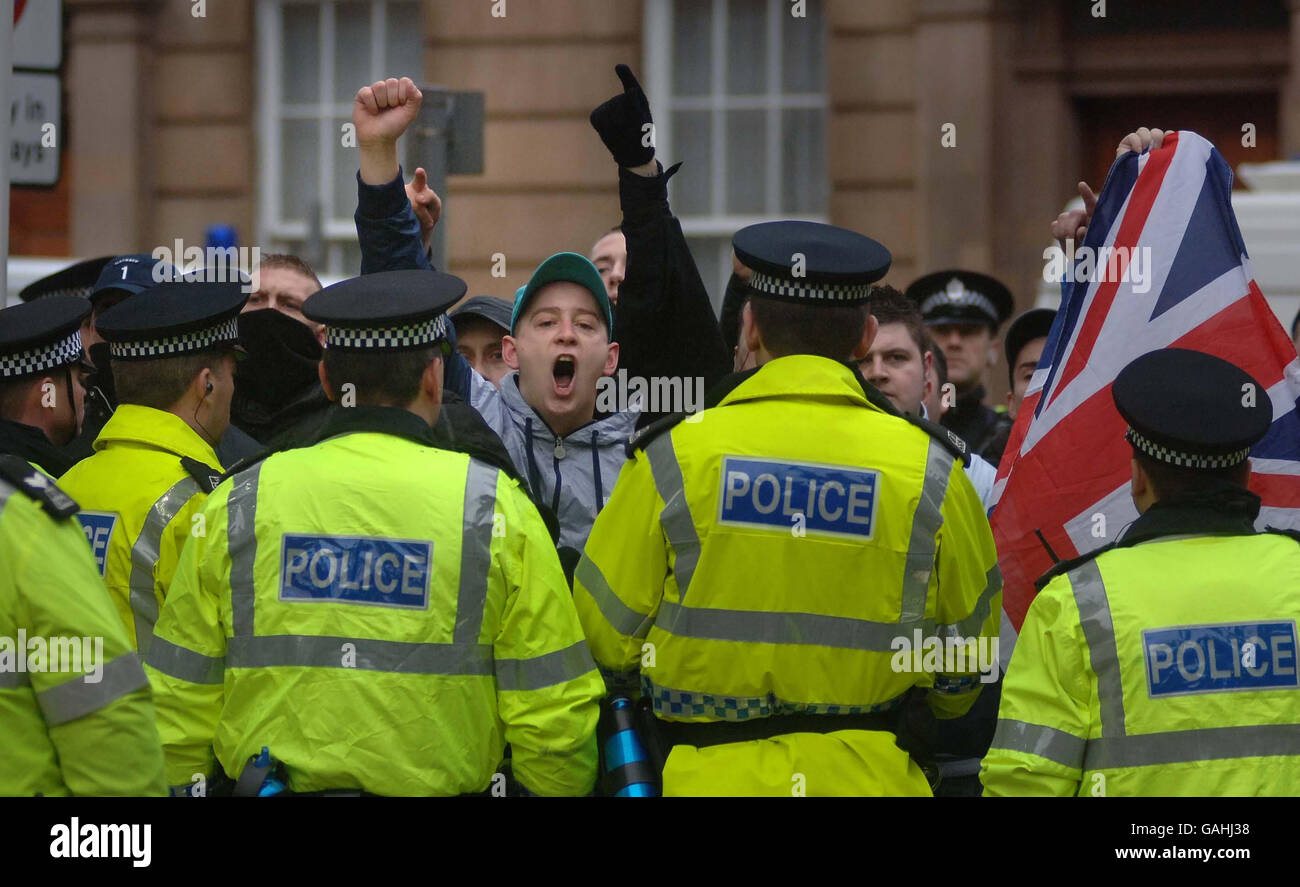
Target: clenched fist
[381,112]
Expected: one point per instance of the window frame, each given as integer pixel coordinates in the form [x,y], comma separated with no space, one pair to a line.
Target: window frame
[657,50]
[273,231]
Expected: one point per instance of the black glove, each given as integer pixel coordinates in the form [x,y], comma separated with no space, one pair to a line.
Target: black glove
[622,122]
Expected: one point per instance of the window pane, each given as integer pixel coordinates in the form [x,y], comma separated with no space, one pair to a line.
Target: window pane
[803,161]
[299,167]
[803,66]
[693,145]
[351,49]
[300,59]
[707,256]
[351,266]
[746,47]
[344,176]
[404,41]
[746,161]
[692,47]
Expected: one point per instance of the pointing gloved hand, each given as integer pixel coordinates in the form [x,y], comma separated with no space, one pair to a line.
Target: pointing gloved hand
[624,123]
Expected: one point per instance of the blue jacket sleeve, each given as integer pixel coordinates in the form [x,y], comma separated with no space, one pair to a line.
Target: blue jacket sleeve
[389,234]
[387,228]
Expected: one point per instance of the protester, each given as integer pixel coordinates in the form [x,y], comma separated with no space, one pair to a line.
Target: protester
[1025,340]
[481,323]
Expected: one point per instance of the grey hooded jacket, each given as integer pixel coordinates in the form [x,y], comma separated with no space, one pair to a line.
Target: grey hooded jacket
[574,474]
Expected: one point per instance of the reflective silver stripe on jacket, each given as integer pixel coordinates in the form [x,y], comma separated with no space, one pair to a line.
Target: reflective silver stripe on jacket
[766,627]
[78,697]
[475,551]
[619,615]
[547,670]
[241,543]
[184,664]
[318,651]
[1058,746]
[926,521]
[144,558]
[676,518]
[1099,632]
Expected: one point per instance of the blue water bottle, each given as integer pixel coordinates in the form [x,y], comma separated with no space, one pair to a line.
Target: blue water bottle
[272,785]
[628,772]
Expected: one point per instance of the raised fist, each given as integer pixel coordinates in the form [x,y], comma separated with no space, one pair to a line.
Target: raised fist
[382,111]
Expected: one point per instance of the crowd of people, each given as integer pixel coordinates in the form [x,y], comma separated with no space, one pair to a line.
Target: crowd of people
[378,538]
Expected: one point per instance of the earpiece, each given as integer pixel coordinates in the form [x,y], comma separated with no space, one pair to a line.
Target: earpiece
[209,388]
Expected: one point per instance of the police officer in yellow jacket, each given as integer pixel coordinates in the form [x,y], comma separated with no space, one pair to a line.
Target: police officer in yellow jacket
[383,616]
[172,350]
[75,712]
[782,568]
[1165,664]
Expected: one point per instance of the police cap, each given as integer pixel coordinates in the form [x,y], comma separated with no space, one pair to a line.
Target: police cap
[385,312]
[1191,409]
[74,280]
[132,274]
[41,335]
[956,296]
[172,320]
[810,263]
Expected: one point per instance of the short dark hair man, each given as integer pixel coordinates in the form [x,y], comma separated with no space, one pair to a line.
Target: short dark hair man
[963,310]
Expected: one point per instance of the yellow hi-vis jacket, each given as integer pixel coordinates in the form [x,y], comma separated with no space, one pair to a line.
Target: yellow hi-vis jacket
[1164,668]
[790,551]
[383,616]
[137,506]
[75,711]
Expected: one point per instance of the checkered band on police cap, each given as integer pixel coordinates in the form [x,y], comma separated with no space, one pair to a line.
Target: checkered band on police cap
[44,357]
[787,288]
[1184,460]
[173,346]
[957,295]
[393,338]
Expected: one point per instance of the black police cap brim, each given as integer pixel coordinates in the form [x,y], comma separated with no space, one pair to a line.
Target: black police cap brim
[1192,402]
[171,309]
[384,299]
[42,322]
[829,254]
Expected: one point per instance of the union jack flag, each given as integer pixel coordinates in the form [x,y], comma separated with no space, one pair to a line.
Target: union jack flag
[1066,470]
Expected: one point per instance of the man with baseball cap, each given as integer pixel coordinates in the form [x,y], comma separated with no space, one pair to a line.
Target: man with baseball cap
[480,324]
[963,310]
[1025,340]
[172,350]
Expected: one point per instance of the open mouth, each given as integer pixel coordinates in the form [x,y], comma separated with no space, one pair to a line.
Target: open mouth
[563,371]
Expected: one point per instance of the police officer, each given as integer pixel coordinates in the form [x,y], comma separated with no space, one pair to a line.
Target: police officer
[78,720]
[382,615]
[41,364]
[963,311]
[1165,663]
[765,563]
[172,354]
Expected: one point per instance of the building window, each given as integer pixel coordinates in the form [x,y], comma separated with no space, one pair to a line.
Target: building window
[315,56]
[739,94]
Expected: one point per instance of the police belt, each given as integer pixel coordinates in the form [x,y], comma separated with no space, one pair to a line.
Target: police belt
[705,734]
